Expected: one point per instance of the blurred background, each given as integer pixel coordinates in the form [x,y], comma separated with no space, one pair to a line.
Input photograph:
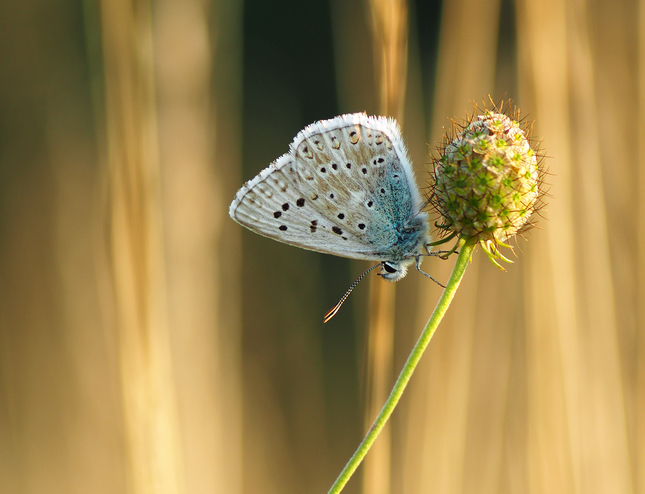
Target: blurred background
[150,345]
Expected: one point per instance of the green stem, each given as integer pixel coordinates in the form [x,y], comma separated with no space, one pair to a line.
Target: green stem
[466,248]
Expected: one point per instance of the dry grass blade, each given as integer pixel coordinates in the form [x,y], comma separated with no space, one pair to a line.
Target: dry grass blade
[639,408]
[148,391]
[389,22]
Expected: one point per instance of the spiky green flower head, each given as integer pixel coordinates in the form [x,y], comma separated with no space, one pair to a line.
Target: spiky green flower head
[487,180]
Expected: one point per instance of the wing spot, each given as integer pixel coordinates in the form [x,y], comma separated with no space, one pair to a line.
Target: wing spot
[334,166]
[254,199]
[382,191]
[307,152]
[314,196]
[353,137]
[323,170]
[381,160]
[336,230]
[364,170]
[331,196]
[300,202]
[277,214]
[369,204]
[348,165]
[285,206]
[341,216]
[283,228]
[361,226]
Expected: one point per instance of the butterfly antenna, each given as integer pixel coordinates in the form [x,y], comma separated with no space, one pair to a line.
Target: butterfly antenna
[332,312]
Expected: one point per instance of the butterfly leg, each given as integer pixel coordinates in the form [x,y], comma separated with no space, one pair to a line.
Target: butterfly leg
[418,264]
[442,254]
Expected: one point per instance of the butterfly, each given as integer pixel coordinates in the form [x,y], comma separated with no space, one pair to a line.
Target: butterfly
[346,187]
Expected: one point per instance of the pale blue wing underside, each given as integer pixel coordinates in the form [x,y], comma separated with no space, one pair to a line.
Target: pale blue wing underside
[346,188]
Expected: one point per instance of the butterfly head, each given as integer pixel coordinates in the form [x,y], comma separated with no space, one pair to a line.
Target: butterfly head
[395,270]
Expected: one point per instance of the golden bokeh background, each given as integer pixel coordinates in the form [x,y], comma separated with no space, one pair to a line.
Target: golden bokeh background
[149,345]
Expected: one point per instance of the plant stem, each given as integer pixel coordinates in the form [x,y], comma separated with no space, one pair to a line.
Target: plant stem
[466,248]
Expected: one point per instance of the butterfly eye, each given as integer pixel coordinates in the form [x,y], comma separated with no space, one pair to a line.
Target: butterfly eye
[389,268]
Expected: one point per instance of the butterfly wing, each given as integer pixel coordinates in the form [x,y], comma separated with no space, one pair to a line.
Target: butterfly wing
[345,188]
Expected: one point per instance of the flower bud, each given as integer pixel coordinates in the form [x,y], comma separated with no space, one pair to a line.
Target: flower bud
[487,181]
